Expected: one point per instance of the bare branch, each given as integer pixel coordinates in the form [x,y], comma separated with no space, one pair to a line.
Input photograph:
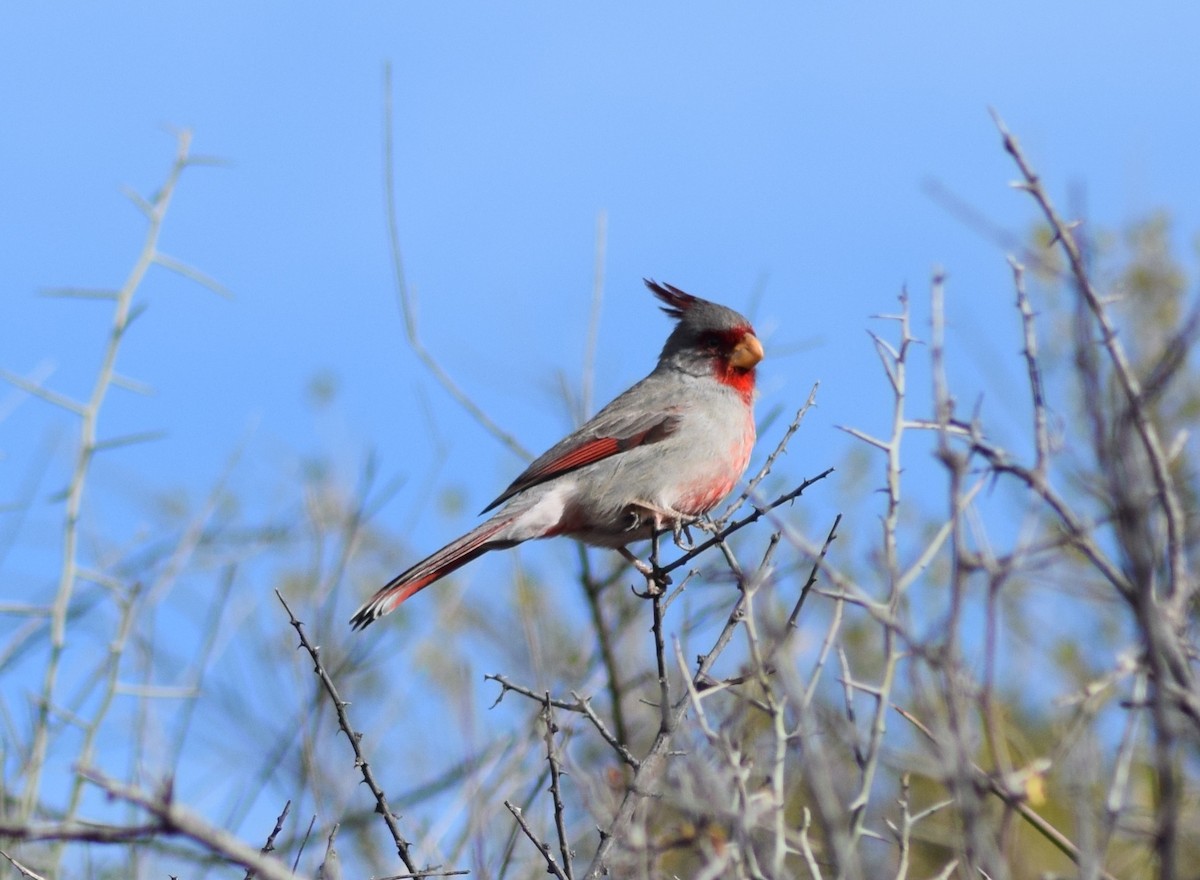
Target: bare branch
[22,869]
[177,819]
[579,704]
[89,413]
[269,846]
[1163,482]
[407,300]
[403,847]
[1030,351]
[564,844]
[552,866]
[779,450]
[1013,799]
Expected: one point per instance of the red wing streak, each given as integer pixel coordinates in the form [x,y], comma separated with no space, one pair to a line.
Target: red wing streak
[587,452]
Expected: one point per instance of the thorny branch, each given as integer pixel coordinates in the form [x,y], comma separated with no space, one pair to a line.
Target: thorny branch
[1160,611]
[1180,587]
[403,847]
[269,846]
[671,710]
[577,704]
[155,211]
[552,760]
[552,867]
[652,762]
[806,782]
[176,819]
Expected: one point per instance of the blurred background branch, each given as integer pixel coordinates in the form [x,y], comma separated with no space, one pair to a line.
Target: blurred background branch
[1013,568]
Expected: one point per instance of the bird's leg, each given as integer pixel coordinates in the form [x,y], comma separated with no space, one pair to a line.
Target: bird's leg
[656,579]
[683,528]
[643,567]
[682,534]
[662,519]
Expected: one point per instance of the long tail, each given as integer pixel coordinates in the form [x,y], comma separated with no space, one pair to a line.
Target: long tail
[454,555]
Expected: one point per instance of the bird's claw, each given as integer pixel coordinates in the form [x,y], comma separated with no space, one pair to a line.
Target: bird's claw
[657,580]
[654,588]
[682,535]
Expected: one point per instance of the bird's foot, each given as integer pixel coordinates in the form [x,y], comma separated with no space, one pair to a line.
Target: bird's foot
[682,535]
[657,580]
[654,588]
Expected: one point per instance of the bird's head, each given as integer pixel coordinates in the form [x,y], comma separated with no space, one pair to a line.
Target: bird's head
[709,338]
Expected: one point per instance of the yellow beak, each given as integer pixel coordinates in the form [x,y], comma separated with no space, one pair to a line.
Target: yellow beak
[746,353]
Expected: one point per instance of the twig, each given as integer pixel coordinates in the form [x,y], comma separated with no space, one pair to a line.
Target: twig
[177,819]
[1118,792]
[269,846]
[1079,531]
[330,868]
[408,301]
[312,822]
[22,869]
[1030,352]
[743,815]
[360,761]
[779,450]
[592,591]
[1162,622]
[775,705]
[652,763]
[737,525]
[78,832]
[514,834]
[664,681]
[1163,482]
[37,389]
[810,858]
[831,632]
[808,584]
[89,414]
[1043,827]
[580,704]
[544,848]
[564,845]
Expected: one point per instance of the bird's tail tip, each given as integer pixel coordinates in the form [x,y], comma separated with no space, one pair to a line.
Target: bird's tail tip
[435,567]
[364,617]
[387,600]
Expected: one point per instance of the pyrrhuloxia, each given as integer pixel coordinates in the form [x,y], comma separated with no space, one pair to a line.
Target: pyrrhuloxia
[660,455]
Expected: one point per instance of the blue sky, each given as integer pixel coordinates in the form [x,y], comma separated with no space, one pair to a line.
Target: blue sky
[772,157]
[781,145]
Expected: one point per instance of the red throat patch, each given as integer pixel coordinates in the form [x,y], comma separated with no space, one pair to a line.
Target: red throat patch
[739,379]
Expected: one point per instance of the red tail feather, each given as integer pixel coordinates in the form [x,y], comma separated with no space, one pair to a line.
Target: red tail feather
[452,556]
